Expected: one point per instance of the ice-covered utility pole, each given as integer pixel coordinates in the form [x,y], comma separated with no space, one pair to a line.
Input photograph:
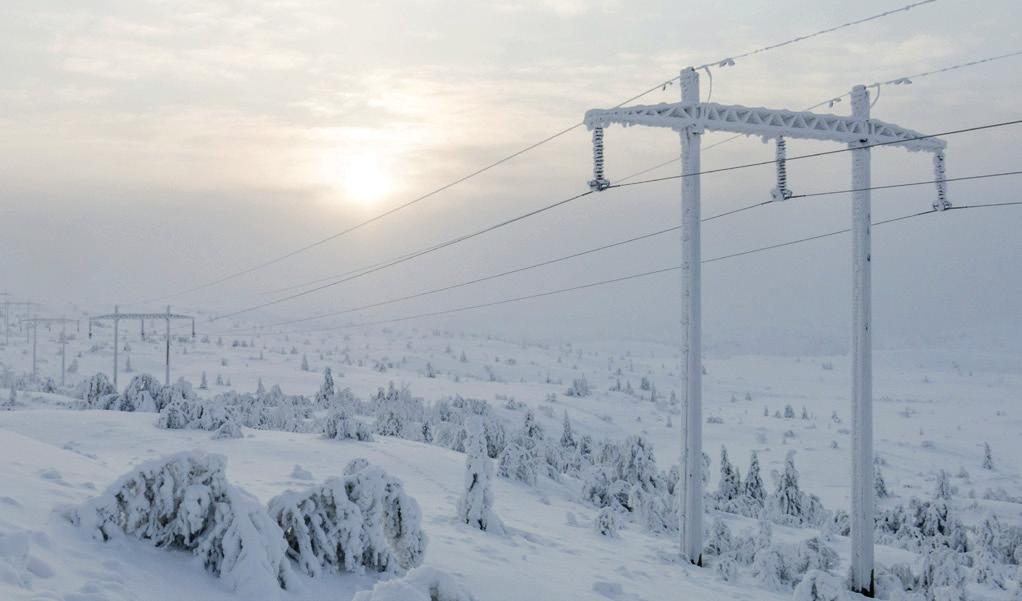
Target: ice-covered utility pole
[34,323]
[117,316]
[7,317]
[690,118]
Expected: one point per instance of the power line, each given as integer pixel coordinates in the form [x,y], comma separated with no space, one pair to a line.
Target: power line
[819,154]
[730,60]
[543,209]
[725,61]
[906,79]
[624,242]
[644,274]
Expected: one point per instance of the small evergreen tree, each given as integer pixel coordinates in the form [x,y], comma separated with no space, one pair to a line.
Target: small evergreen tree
[879,484]
[127,365]
[203,385]
[753,489]
[305,362]
[326,389]
[729,488]
[475,507]
[988,459]
[943,487]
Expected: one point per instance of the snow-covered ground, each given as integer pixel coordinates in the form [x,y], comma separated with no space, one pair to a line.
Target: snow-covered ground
[934,410]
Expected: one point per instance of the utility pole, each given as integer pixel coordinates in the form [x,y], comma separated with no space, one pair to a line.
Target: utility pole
[690,118]
[34,331]
[117,316]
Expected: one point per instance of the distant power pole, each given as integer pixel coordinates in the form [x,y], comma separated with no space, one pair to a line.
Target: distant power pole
[690,118]
[117,316]
[34,323]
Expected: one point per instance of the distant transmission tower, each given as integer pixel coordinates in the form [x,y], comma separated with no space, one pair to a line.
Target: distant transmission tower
[34,323]
[690,118]
[117,316]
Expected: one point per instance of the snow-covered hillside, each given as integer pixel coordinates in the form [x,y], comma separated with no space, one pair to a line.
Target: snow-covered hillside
[934,412]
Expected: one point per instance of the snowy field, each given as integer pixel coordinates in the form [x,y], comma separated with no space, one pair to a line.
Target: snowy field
[934,410]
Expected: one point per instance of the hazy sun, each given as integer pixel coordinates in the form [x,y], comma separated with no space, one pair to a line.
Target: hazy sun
[362,179]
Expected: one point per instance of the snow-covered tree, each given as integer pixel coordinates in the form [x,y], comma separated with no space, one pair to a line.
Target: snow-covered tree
[305,362]
[127,365]
[97,391]
[203,384]
[143,393]
[475,507]
[517,463]
[567,436]
[942,489]
[607,523]
[988,459]
[818,585]
[879,484]
[184,501]
[789,505]
[579,388]
[730,485]
[753,488]
[326,389]
[340,426]
[720,540]
[361,520]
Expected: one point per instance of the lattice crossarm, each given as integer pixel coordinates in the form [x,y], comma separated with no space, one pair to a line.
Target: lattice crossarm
[765,122]
[674,116]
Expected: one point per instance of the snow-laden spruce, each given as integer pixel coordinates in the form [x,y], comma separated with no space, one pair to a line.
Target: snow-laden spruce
[420,584]
[340,426]
[475,507]
[362,520]
[184,501]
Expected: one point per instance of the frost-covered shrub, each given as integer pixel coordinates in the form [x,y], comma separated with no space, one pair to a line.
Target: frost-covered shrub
[517,463]
[579,388]
[607,523]
[420,584]
[942,576]
[363,520]
[781,566]
[184,501]
[341,427]
[789,505]
[97,392]
[475,507]
[1003,542]
[720,540]
[817,585]
[141,394]
[228,429]
[922,525]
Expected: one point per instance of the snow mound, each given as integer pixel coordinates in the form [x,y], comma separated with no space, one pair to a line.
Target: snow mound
[421,584]
[361,520]
[184,501]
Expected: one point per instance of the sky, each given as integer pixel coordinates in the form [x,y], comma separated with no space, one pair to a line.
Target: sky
[149,147]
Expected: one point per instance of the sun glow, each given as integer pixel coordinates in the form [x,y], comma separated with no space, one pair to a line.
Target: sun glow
[362,179]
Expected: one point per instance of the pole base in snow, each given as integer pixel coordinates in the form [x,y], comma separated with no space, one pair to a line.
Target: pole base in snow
[871,591]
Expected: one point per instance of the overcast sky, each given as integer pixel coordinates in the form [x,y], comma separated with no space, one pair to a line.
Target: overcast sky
[147,147]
